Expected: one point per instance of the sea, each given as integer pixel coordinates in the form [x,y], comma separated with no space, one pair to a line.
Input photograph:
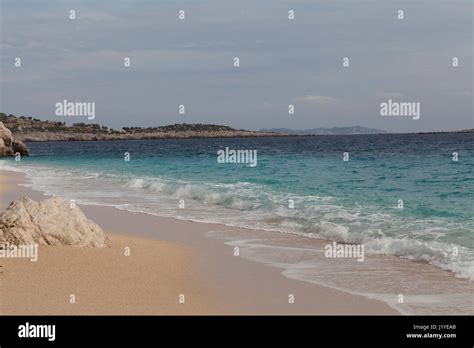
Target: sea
[405,195]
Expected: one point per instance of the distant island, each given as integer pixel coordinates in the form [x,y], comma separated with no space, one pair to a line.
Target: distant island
[326,131]
[354,130]
[29,129]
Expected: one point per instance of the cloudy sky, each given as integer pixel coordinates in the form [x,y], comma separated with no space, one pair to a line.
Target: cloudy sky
[282,61]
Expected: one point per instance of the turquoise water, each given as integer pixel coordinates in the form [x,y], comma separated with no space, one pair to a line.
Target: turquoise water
[348,201]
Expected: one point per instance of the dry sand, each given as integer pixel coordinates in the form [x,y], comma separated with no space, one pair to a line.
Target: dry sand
[105,281]
[151,279]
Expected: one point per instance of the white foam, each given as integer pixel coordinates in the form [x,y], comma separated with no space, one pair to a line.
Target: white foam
[255,207]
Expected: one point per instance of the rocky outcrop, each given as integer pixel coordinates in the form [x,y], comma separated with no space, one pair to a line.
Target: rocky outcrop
[49,222]
[31,130]
[5,141]
[19,146]
[10,146]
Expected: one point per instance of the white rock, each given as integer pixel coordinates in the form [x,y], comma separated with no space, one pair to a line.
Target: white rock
[50,222]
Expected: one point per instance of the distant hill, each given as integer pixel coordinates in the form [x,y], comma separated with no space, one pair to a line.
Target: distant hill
[326,131]
[33,129]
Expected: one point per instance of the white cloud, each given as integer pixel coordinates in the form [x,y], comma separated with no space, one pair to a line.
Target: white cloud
[390,95]
[315,99]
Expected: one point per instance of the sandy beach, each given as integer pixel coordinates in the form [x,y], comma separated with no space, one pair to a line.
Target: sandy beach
[168,258]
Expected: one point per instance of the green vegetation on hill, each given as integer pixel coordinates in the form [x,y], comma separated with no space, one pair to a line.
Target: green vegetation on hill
[33,129]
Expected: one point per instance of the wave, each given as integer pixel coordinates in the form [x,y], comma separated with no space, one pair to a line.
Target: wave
[254,206]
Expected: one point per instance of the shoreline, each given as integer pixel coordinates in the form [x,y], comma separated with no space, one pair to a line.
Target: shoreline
[323,286]
[27,140]
[226,284]
[71,138]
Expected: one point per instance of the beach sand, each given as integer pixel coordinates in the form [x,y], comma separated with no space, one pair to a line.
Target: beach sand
[167,258]
[105,281]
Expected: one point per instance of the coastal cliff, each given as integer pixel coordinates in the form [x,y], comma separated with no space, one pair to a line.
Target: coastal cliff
[10,145]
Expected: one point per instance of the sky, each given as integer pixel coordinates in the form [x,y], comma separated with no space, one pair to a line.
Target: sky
[190,62]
